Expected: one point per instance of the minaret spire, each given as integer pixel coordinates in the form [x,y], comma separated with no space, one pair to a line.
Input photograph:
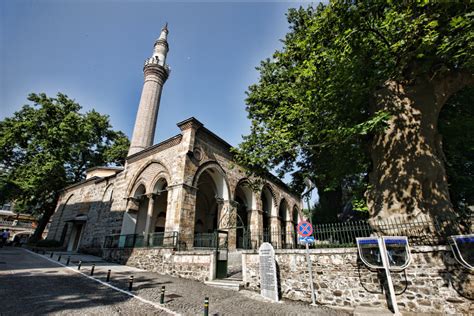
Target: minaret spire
[156,72]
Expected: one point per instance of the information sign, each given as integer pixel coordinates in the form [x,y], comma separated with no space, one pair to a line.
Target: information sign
[306,240]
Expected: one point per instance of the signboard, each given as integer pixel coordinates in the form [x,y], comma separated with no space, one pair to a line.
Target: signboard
[463,250]
[388,252]
[305,229]
[397,250]
[268,275]
[306,240]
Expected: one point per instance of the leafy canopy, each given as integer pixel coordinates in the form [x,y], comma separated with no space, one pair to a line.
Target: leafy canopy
[49,145]
[312,112]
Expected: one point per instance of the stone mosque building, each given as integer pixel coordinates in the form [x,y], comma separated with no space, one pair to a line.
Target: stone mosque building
[184,193]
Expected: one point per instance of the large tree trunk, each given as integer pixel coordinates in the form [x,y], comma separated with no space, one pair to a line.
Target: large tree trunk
[408,179]
[48,211]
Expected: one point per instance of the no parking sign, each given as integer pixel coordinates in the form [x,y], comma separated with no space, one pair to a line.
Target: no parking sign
[305,229]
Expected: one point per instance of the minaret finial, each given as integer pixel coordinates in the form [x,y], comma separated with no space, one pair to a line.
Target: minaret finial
[165,28]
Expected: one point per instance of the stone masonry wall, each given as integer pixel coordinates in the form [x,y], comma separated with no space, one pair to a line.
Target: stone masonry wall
[433,282]
[195,265]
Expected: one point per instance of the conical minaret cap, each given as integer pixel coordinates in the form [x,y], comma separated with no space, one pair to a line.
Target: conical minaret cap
[164,32]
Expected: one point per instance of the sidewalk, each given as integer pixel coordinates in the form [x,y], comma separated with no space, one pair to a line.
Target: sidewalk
[186,297]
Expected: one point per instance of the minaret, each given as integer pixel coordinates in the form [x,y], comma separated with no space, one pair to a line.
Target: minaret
[156,72]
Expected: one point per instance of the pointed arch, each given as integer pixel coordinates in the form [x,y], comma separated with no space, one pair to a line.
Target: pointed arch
[147,179]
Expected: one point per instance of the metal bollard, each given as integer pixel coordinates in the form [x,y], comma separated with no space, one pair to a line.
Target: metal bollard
[79,265]
[59,258]
[108,276]
[206,306]
[68,260]
[162,298]
[51,254]
[44,252]
[130,283]
[92,269]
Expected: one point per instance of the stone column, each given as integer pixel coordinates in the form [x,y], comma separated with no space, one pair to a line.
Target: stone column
[227,213]
[149,215]
[180,214]
[255,219]
[290,233]
[275,231]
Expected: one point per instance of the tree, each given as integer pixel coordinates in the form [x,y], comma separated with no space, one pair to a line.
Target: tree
[354,97]
[49,145]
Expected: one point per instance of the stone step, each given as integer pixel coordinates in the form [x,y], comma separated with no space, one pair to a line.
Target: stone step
[226,284]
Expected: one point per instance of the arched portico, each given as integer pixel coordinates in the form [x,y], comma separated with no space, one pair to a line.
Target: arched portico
[268,229]
[245,204]
[212,208]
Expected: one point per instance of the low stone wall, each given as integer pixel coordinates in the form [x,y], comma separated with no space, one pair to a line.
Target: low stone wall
[196,265]
[434,281]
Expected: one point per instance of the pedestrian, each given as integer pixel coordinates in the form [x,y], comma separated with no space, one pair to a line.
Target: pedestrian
[6,235]
[2,238]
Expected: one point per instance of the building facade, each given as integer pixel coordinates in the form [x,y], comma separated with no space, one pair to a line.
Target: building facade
[185,192]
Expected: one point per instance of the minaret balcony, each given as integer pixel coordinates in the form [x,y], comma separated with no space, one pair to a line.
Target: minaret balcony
[154,60]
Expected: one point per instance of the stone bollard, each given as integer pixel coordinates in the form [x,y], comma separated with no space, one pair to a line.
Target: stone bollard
[162,297]
[206,306]
[92,269]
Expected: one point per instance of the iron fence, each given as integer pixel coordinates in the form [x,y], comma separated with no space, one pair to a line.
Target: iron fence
[211,240]
[164,240]
[421,231]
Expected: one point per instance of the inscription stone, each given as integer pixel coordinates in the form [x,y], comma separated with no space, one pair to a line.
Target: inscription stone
[268,277]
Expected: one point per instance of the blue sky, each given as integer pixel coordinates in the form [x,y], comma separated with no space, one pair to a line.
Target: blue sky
[93,51]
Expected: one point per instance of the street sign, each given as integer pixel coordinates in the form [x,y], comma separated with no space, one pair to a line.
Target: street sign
[306,240]
[305,229]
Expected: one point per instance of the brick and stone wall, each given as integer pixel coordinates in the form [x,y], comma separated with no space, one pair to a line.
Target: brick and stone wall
[434,281]
[195,265]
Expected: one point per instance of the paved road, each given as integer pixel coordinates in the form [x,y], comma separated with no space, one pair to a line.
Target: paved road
[33,284]
[30,284]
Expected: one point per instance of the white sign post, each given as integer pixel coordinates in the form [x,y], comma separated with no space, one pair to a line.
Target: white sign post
[305,230]
[393,299]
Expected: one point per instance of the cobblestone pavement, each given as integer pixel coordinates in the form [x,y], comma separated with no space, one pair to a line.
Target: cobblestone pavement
[31,285]
[35,284]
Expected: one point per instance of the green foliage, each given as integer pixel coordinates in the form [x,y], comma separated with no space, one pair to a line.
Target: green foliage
[456,125]
[312,110]
[49,145]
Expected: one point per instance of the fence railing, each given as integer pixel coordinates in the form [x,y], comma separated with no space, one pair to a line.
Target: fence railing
[421,231]
[164,240]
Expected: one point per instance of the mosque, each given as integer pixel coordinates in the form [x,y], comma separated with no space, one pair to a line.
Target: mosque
[185,192]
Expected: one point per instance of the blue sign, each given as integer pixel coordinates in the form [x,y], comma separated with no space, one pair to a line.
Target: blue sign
[396,241]
[306,240]
[305,229]
[368,241]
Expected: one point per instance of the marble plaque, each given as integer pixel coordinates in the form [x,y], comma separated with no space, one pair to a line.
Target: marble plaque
[268,273]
